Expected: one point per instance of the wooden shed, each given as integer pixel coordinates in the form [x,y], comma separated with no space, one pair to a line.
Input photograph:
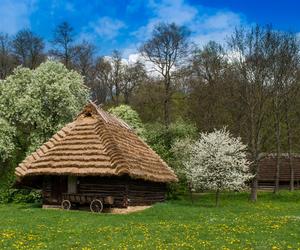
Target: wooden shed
[267,171]
[97,156]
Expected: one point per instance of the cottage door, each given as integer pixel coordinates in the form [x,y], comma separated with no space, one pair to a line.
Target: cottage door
[59,186]
[72,184]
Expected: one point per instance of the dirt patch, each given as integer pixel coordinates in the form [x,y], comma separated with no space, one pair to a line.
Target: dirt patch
[127,210]
[106,210]
[51,207]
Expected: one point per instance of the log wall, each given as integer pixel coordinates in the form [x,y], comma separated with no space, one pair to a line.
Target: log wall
[124,190]
[267,172]
[104,187]
[145,193]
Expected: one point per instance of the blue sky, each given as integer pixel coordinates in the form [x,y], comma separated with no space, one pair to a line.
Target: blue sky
[125,24]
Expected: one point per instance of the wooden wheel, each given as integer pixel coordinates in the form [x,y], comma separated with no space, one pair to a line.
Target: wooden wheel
[96,206]
[66,205]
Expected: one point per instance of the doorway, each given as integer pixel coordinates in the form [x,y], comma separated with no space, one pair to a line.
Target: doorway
[59,186]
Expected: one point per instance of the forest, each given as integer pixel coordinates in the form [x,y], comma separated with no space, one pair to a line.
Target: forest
[250,85]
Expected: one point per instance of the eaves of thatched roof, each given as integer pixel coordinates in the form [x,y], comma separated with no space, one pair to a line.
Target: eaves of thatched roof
[99,144]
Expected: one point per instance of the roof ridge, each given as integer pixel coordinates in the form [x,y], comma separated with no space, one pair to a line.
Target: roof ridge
[106,116]
[113,151]
[109,118]
[101,112]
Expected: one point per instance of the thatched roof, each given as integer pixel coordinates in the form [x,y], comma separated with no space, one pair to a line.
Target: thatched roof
[96,143]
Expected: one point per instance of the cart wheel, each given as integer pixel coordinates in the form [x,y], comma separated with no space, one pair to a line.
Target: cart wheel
[96,206]
[66,205]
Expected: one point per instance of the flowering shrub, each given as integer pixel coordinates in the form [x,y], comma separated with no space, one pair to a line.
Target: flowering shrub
[36,103]
[217,161]
[7,146]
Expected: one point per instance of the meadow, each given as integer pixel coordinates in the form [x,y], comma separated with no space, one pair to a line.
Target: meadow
[271,223]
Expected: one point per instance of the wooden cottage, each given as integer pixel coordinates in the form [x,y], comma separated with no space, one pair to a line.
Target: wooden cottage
[96,158]
[267,171]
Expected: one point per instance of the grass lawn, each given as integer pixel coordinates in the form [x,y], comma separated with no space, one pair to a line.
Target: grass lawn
[271,223]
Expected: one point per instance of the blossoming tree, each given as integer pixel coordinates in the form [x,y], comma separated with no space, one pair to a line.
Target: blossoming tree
[34,104]
[7,146]
[217,161]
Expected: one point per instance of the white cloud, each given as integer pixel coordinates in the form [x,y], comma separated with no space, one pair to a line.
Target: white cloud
[107,28]
[131,50]
[222,20]
[217,26]
[84,35]
[166,11]
[133,58]
[173,11]
[205,23]
[15,15]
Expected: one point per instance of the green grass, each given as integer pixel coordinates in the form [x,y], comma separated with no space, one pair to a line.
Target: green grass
[271,223]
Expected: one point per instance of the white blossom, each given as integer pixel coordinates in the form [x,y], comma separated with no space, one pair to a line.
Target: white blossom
[37,103]
[217,162]
[7,146]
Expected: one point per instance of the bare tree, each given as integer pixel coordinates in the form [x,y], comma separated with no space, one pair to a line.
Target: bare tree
[290,51]
[166,48]
[7,60]
[83,59]
[284,76]
[28,48]
[251,62]
[101,79]
[207,79]
[63,38]
[134,75]
[273,39]
[289,109]
[115,85]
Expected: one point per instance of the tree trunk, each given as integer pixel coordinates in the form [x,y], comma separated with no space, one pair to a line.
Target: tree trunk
[255,166]
[167,102]
[117,94]
[126,98]
[254,187]
[278,153]
[217,198]
[289,143]
[191,193]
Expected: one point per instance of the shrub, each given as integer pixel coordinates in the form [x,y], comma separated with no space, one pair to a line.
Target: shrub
[9,195]
[130,116]
[162,141]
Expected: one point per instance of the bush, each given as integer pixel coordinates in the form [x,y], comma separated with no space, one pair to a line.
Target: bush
[19,196]
[177,190]
[162,141]
[130,116]
[9,194]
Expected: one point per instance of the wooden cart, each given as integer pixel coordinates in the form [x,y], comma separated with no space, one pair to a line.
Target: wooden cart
[95,201]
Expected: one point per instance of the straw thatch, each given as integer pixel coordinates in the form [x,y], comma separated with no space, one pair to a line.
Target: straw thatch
[96,143]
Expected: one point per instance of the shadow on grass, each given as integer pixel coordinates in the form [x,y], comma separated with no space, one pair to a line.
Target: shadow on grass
[29,206]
